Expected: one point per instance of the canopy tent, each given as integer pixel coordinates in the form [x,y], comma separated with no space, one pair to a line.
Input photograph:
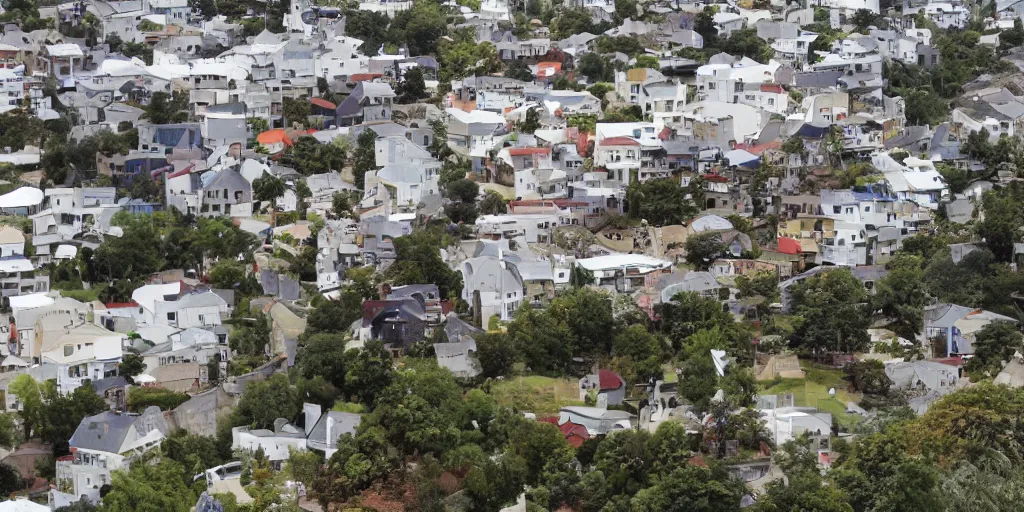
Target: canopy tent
[22,198]
[742,157]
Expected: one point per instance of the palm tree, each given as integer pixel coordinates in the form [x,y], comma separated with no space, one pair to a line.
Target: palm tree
[269,188]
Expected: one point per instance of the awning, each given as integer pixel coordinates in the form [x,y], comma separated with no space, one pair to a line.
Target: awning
[742,157]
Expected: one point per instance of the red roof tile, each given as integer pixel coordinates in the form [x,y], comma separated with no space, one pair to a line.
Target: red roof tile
[362,77]
[528,151]
[619,141]
[322,103]
[609,380]
[776,88]
[119,305]
[575,434]
[789,245]
[273,137]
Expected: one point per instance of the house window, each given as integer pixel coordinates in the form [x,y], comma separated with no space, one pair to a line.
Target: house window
[867,208]
[771,101]
[68,350]
[837,209]
[172,317]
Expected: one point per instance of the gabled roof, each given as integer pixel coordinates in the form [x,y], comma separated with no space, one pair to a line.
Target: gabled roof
[104,432]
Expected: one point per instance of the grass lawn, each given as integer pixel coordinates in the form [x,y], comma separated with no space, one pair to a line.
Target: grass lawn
[543,396]
[813,391]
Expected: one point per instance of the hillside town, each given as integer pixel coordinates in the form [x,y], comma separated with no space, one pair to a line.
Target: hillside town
[516,256]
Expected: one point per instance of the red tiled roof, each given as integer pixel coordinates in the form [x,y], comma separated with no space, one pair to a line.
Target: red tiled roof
[789,245]
[609,380]
[619,141]
[273,137]
[761,148]
[119,305]
[322,103]
[528,151]
[362,77]
[951,361]
[665,132]
[557,66]
[575,434]
[716,178]
[776,88]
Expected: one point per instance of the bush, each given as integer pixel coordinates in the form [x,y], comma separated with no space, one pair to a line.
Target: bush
[868,377]
[141,398]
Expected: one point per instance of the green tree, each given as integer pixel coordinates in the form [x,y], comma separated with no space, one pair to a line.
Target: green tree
[637,355]
[269,188]
[690,488]
[135,254]
[831,306]
[541,341]
[132,364]
[418,260]
[369,372]
[412,87]
[30,395]
[227,274]
[994,344]
[10,479]
[868,377]
[493,204]
[803,488]
[497,354]
[1003,221]
[364,157]
[195,453]
[296,110]
[165,108]
[464,191]
[150,487]
[596,67]
[699,367]
[703,249]
[324,355]
[901,295]
[309,156]
[264,401]
[661,202]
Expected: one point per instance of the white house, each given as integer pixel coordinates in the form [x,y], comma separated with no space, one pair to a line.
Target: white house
[108,442]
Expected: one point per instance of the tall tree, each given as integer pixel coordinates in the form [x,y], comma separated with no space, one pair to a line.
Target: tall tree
[269,188]
[835,313]
[364,157]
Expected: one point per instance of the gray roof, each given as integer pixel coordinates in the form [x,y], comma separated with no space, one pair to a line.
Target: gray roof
[817,79]
[104,432]
[109,383]
[945,315]
[455,328]
[344,423]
